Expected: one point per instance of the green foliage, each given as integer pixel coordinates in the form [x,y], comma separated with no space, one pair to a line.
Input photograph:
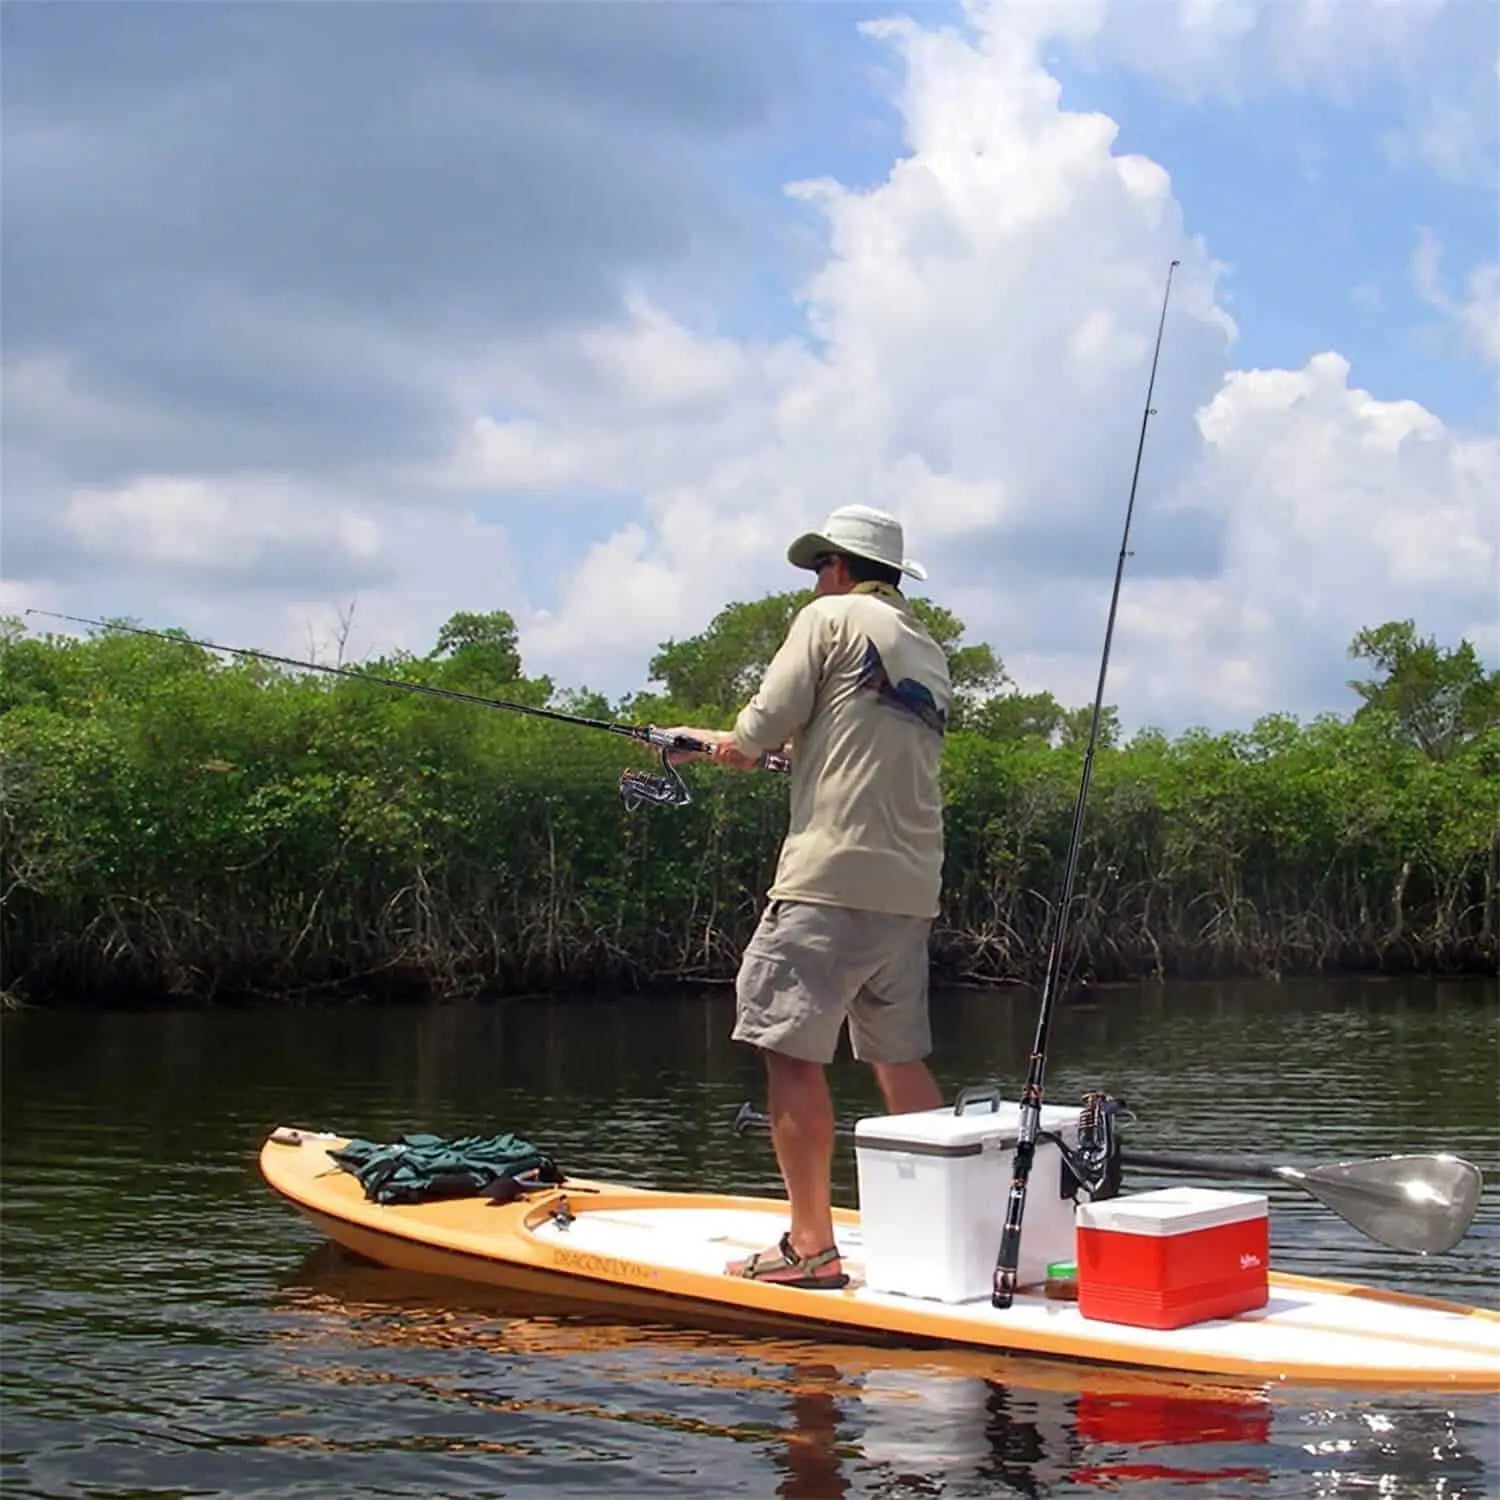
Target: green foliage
[720,669]
[1039,717]
[170,823]
[1434,699]
[479,649]
[975,671]
[584,702]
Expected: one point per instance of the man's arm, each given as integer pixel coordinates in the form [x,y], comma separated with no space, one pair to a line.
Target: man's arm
[782,704]
[788,692]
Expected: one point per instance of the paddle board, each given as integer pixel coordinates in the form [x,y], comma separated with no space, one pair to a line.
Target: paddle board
[663,1253]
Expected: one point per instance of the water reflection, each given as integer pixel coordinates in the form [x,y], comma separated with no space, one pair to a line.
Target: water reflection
[840,1420]
[811,1463]
[931,1421]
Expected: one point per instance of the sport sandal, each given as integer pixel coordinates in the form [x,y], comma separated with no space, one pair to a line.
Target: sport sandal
[769,1266]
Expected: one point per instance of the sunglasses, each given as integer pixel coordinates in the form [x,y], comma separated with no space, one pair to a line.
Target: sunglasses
[821,561]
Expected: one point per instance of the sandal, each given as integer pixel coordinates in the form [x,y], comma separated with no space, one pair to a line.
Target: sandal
[767,1266]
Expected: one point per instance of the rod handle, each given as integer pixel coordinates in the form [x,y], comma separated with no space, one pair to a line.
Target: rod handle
[770,761]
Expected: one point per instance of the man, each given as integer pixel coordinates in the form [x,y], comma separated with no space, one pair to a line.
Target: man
[858,694]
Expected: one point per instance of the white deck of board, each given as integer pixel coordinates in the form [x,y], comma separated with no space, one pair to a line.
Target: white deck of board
[1295,1327]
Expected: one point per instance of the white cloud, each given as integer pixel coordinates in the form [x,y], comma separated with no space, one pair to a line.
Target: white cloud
[663,366]
[620,598]
[1475,315]
[454,563]
[514,456]
[983,324]
[975,354]
[1479,314]
[217,525]
[275,564]
[1342,511]
[17,595]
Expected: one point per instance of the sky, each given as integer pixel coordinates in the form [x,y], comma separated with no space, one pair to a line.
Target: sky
[328,320]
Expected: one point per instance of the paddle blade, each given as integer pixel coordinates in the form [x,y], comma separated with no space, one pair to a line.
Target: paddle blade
[1423,1204]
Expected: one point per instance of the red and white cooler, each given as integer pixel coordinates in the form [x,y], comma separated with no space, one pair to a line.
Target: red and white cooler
[1172,1257]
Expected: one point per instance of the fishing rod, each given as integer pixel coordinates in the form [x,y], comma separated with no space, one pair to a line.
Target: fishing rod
[1004,1288]
[637,788]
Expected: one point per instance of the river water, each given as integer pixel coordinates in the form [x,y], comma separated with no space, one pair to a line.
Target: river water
[171,1329]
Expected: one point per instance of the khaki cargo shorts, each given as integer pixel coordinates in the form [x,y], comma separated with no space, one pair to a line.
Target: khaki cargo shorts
[808,968]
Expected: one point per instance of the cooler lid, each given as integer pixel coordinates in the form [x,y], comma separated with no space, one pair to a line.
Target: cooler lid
[940,1132]
[1177,1210]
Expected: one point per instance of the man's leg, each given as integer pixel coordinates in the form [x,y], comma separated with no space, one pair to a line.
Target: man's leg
[790,1007]
[907,1087]
[802,1129]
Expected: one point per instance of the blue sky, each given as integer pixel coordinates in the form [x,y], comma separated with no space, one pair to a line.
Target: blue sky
[447,307]
[1318,228]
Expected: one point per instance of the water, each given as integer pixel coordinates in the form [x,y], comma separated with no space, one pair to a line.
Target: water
[170,1329]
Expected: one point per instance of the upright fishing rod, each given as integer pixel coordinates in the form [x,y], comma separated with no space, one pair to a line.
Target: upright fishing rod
[1003,1292]
[636,787]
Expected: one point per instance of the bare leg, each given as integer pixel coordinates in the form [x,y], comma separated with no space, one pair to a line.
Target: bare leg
[802,1130]
[907,1087]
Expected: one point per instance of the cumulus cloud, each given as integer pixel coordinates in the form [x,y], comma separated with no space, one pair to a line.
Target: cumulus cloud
[970,348]
[202,527]
[982,327]
[1342,510]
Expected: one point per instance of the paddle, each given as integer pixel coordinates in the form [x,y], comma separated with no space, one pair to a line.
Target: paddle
[1421,1204]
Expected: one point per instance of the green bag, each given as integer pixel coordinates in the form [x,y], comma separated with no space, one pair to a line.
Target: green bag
[418,1168]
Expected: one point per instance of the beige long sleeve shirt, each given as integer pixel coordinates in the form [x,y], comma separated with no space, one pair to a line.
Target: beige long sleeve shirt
[860,692]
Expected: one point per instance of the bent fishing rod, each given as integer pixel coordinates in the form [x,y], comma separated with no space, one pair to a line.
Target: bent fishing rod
[1004,1289]
[637,788]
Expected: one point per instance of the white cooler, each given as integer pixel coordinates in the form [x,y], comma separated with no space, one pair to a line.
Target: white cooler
[932,1193]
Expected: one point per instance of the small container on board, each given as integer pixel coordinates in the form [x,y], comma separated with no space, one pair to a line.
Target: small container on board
[1061,1284]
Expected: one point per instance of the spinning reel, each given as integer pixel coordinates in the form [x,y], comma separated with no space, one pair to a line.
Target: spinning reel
[649,789]
[1094,1165]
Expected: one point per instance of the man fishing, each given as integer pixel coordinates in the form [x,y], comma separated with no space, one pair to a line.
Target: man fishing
[859,695]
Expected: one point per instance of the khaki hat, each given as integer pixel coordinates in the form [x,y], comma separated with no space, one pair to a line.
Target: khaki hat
[860,532]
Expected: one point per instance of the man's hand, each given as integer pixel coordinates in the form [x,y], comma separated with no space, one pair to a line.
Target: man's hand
[707,737]
[722,749]
[727,753]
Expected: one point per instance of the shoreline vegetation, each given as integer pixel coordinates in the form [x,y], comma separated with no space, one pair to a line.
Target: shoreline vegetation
[177,826]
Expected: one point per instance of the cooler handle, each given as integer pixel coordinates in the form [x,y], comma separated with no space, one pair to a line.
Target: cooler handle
[978,1093]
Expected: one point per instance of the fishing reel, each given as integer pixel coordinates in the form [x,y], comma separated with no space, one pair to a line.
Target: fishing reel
[1094,1166]
[668,789]
[648,789]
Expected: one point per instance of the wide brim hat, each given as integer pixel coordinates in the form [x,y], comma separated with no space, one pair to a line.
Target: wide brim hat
[857,531]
